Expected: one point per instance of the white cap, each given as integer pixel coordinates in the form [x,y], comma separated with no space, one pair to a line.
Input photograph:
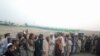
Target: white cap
[9,44]
[76,33]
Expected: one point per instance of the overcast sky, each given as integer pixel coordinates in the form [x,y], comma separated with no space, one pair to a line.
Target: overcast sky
[73,14]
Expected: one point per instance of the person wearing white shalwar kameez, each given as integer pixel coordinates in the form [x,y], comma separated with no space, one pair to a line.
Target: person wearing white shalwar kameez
[31,45]
[45,47]
[51,44]
[69,46]
[79,45]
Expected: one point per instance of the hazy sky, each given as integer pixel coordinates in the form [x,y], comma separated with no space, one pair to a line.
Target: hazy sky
[74,14]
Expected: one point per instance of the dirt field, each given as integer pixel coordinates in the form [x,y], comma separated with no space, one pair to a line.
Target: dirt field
[15,29]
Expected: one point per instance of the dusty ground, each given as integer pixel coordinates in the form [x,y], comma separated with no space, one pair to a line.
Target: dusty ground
[15,29]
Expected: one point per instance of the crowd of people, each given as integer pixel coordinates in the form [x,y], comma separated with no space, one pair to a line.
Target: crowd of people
[55,44]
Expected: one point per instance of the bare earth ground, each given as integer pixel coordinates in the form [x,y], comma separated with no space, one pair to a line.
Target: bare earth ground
[15,29]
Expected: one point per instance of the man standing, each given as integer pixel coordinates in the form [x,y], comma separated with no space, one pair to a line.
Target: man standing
[39,46]
[45,46]
[51,44]
[98,47]
[63,43]
[69,50]
[79,45]
[31,45]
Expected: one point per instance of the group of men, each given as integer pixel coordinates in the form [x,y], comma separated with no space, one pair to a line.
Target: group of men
[55,44]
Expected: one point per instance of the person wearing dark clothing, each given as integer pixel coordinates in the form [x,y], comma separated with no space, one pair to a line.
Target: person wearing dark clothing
[98,47]
[58,48]
[16,45]
[38,46]
[87,45]
[10,51]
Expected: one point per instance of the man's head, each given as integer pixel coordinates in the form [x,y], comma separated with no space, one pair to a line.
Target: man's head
[7,35]
[19,35]
[15,42]
[51,36]
[11,48]
[41,36]
[31,36]
[47,38]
